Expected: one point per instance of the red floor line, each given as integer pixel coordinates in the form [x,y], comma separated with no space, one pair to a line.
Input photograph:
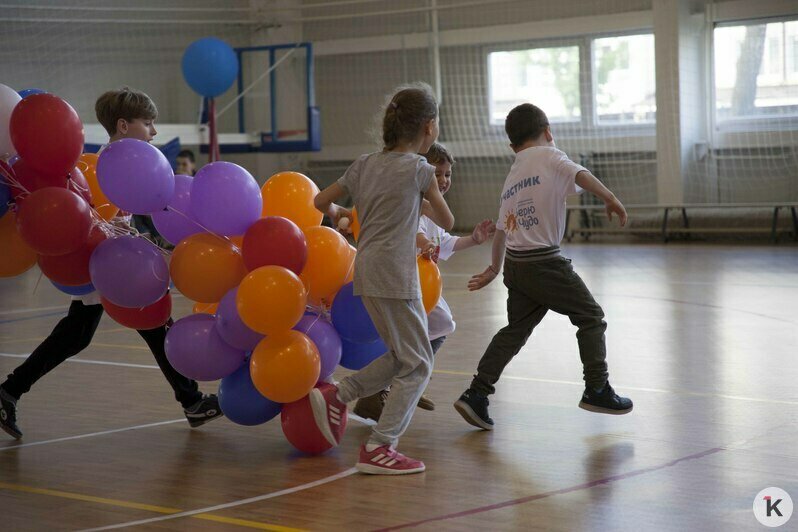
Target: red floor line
[578,487]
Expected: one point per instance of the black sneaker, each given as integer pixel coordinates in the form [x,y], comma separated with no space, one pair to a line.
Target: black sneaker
[605,402]
[8,415]
[474,409]
[206,409]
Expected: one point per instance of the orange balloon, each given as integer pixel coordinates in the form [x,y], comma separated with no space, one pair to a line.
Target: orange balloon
[271,299]
[328,262]
[87,163]
[290,195]
[350,276]
[355,224]
[17,256]
[205,308]
[204,267]
[431,285]
[238,241]
[285,367]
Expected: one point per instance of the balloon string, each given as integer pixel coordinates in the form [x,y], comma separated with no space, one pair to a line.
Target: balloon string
[187,217]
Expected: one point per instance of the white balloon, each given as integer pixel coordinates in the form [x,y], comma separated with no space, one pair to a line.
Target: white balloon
[8,100]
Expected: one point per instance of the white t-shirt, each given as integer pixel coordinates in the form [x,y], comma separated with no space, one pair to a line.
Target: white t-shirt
[438,236]
[532,211]
[440,321]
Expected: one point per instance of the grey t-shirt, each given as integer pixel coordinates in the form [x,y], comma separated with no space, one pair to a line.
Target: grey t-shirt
[387,188]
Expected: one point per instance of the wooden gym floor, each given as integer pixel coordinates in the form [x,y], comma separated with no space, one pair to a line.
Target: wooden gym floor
[702,338]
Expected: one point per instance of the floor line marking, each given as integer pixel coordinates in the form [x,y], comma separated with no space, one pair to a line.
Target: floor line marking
[191,513]
[92,434]
[538,496]
[139,506]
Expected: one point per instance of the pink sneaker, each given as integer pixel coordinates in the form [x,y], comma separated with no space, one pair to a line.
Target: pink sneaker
[386,460]
[328,412]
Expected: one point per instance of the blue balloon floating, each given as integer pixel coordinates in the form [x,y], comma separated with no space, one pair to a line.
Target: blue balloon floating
[24,93]
[242,403]
[81,290]
[356,356]
[351,319]
[210,66]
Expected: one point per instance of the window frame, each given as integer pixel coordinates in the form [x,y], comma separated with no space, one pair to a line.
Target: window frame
[588,124]
[736,124]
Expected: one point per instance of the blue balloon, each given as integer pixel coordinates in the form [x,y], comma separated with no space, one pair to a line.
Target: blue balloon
[356,356]
[210,66]
[81,290]
[242,403]
[24,93]
[5,197]
[351,319]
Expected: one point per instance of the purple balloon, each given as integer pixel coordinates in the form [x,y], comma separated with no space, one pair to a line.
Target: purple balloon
[230,327]
[196,350]
[129,271]
[175,223]
[326,339]
[225,198]
[135,176]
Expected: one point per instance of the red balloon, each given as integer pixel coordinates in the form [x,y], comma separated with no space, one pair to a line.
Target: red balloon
[141,319]
[72,269]
[54,221]
[76,182]
[300,430]
[47,133]
[33,180]
[275,241]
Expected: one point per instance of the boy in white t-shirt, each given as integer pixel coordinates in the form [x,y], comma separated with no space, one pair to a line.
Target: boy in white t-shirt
[434,242]
[531,226]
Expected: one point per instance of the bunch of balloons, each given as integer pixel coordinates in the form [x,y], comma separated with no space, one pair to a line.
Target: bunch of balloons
[274,311]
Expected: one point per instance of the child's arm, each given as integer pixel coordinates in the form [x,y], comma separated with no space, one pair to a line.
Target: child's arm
[436,208]
[482,279]
[589,182]
[324,202]
[482,231]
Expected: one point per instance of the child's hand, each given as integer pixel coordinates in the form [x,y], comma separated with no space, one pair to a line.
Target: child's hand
[340,213]
[482,279]
[614,205]
[483,231]
[428,249]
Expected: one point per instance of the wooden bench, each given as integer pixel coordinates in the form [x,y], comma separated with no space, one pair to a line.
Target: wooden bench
[685,229]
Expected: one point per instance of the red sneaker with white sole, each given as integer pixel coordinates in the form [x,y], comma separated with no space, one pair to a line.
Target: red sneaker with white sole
[328,412]
[386,460]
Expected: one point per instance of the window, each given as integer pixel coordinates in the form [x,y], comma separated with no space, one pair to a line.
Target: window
[546,77]
[755,69]
[584,83]
[625,88]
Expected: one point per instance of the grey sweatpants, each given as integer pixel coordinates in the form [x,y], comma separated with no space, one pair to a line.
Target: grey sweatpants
[406,367]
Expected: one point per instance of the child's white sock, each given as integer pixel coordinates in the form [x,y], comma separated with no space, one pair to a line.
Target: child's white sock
[372,446]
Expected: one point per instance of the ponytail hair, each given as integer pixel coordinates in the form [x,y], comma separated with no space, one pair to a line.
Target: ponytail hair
[407,113]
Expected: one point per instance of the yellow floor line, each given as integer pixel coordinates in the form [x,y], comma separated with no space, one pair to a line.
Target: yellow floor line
[145,507]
